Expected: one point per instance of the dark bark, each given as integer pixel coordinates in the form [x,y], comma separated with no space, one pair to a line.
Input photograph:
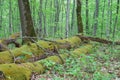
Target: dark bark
[79,18]
[100,40]
[87,18]
[26,20]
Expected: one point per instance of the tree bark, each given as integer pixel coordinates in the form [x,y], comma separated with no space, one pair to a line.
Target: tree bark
[26,20]
[87,18]
[79,18]
[67,18]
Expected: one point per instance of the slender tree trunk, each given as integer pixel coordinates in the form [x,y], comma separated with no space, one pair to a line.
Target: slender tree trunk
[26,20]
[108,20]
[116,19]
[87,18]
[79,18]
[0,14]
[73,16]
[103,11]
[45,20]
[40,19]
[34,12]
[96,18]
[10,16]
[110,16]
[67,18]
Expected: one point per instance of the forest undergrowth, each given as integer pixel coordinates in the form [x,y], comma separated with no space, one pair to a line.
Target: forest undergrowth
[102,63]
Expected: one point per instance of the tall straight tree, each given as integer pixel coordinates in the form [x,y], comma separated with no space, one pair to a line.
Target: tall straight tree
[40,19]
[111,16]
[73,16]
[87,14]
[79,18]
[10,16]
[108,20]
[0,14]
[57,12]
[67,18]
[103,12]
[26,20]
[116,18]
[96,17]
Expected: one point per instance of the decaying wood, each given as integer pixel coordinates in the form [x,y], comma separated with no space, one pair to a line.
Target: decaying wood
[84,38]
[11,40]
[24,71]
[32,51]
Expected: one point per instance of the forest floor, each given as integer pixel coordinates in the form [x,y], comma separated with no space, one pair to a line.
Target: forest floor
[103,63]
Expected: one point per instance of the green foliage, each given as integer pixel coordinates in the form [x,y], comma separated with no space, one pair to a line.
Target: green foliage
[95,66]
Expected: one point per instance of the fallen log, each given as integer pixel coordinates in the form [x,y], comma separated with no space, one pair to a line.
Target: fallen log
[37,50]
[24,71]
[87,38]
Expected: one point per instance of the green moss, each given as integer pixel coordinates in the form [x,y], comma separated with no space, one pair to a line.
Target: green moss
[26,52]
[24,71]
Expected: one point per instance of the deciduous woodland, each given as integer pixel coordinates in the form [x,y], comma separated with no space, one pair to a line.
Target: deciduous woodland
[59,40]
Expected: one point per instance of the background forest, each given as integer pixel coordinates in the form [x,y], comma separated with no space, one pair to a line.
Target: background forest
[54,20]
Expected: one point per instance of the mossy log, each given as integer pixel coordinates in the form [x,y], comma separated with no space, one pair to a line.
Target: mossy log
[100,40]
[26,52]
[24,71]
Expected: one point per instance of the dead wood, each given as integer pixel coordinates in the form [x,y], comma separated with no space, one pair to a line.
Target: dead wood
[100,40]
[24,71]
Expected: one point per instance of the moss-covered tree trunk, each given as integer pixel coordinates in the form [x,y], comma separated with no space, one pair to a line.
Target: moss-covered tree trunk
[35,51]
[24,71]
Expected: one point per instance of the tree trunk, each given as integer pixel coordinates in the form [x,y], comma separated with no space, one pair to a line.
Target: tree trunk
[39,30]
[116,19]
[79,18]
[96,18]
[10,17]
[87,18]
[73,17]
[67,18]
[26,20]
[103,11]
[25,71]
[0,14]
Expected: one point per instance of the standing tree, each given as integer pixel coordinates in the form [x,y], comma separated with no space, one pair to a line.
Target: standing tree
[57,13]
[116,18]
[40,19]
[73,17]
[103,17]
[26,20]
[0,14]
[87,14]
[79,18]
[96,17]
[10,16]
[67,18]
